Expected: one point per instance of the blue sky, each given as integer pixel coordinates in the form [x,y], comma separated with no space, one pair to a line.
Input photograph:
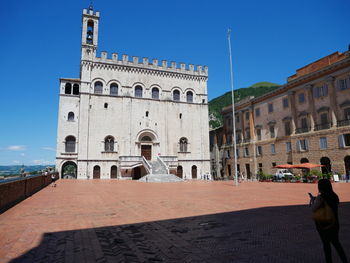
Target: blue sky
[40,43]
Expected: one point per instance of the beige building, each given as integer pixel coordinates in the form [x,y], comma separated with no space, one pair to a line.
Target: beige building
[306,120]
[124,117]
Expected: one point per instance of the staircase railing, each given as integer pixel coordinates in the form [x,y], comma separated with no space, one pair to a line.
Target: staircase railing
[163,164]
[147,165]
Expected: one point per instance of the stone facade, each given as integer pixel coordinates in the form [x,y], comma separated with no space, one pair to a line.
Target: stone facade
[306,119]
[122,114]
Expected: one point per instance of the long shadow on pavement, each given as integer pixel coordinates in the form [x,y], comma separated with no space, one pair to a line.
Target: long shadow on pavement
[271,234]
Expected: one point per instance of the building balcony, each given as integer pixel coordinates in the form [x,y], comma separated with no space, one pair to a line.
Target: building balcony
[323,126]
[302,130]
[246,140]
[343,123]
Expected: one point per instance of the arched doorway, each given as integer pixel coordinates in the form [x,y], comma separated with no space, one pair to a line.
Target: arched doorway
[347,164]
[179,171]
[136,173]
[69,170]
[327,165]
[114,171]
[146,147]
[194,172]
[97,172]
[304,160]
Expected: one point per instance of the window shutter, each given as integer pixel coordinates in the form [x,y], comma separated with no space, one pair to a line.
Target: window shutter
[298,146]
[306,144]
[341,141]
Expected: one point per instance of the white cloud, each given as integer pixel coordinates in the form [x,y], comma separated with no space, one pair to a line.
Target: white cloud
[16,148]
[23,154]
[16,162]
[41,162]
[48,149]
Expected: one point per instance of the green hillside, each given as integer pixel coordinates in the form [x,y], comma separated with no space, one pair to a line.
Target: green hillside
[217,104]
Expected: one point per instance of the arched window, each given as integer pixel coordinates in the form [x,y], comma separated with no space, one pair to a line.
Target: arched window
[90,32]
[109,144]
[68,88]
[146,139]
[114,89]
[114,172]
[194,172]
[76,89]
[176,95]
[70,144]
[155,93]
[97,172]
[189,96]
[138,91]
[98,87]
[71,116]
[183,145]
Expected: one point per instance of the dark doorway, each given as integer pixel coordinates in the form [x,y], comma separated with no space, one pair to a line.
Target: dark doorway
[347,164]
[179,171]
[136,173]
[114,171]
[194,172]
[327,165]
[229,170]
[304,160]
[69,170]
[97,172]
[146,151]
[247,168]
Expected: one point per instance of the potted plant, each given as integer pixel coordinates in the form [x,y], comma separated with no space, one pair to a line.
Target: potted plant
[297,178]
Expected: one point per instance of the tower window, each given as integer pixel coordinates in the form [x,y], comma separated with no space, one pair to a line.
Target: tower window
[68,88]
[183,144]
[70,144]
[189,96]
[138,91]
[71,116]
[76,89]
[176,95]
[98,87]
[90,32]
[146,113]
[106,105]
[180,115]
[155,93]
[114,89]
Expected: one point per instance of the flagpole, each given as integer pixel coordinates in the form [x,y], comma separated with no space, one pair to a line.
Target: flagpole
[233,109]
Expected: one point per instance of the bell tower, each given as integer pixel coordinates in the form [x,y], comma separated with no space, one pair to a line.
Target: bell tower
[89,35]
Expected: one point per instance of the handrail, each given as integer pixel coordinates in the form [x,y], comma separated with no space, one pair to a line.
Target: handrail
[147,165]
[163,163]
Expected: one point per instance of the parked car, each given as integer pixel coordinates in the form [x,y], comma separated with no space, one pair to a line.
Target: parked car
[283,174]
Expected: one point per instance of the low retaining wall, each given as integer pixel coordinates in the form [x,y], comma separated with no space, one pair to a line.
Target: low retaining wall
[13,192]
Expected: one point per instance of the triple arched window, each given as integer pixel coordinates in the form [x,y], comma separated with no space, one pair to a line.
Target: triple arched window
[183,144]
[109,144]
[70,144]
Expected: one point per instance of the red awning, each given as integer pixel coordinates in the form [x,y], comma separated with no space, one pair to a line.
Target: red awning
[298,166]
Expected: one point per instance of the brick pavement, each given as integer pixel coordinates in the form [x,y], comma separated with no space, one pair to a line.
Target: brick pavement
[128,221]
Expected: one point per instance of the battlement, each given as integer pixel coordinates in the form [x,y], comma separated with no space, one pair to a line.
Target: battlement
[154,64]
[91,12]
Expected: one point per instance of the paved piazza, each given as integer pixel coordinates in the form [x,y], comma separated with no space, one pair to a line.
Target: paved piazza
[129,221]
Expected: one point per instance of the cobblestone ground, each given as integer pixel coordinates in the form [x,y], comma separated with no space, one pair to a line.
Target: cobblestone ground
[125,221]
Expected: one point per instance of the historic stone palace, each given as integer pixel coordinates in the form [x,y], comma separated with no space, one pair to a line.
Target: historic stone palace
[126,118]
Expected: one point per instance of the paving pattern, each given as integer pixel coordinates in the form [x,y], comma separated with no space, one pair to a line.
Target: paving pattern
[116,221]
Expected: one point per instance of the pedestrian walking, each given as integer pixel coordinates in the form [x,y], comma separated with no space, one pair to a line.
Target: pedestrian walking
[325,215]
[53,178]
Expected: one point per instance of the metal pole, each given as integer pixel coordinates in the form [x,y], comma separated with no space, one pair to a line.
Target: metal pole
[233,108]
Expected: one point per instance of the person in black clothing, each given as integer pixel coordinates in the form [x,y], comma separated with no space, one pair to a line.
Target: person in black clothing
[328,231]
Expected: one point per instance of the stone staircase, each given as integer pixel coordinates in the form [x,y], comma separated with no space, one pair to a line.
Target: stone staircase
[159,174]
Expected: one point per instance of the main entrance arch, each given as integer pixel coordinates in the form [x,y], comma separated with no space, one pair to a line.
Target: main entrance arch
[69,170]
[146,140]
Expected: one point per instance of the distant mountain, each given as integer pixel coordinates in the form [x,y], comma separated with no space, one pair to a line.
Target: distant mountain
[216,105]
[15,169]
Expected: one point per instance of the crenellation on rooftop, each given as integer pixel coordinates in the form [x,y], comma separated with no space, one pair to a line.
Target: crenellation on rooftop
[153,64]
